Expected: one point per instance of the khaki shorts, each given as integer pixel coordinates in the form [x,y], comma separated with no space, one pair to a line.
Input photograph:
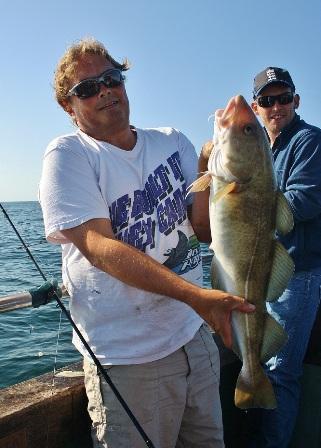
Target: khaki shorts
[175,399]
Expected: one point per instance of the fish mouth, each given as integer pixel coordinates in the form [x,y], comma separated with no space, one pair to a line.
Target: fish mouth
[237,113]
[225,116]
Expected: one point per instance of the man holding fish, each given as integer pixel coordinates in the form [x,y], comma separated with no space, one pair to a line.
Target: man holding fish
[114,197]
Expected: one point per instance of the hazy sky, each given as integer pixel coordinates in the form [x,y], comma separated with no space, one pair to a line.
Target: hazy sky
[188,58]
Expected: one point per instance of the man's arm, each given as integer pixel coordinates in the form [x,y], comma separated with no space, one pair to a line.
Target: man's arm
[199,214]
[96,241]
[303,186]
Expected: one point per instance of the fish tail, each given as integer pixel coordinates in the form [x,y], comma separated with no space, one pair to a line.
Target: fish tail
[258,393]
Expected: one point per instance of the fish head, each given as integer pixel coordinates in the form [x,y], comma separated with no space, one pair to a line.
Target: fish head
[241,146]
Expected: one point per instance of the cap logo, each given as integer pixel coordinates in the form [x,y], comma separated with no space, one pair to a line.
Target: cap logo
[271,75]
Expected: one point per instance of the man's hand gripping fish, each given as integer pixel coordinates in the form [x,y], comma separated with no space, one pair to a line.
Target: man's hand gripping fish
[246,210]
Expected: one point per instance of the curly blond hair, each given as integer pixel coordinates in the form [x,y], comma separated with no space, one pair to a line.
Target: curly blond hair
[67,66]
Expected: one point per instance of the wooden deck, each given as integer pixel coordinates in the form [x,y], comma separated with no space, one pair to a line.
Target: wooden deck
[35,415]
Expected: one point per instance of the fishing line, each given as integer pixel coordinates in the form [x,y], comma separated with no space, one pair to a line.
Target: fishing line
[23,243]
[56,354]
[99,366]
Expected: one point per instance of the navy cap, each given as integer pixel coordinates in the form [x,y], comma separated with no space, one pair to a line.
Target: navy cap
[272,75]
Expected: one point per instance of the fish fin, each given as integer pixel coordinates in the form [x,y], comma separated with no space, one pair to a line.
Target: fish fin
[258,393]
[200,184]
[284,216]
[229,188]
[281,272]
[274,337]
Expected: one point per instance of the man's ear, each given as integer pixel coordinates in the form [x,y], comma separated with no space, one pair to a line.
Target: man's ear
[68,108]
[296,101]
[254,107]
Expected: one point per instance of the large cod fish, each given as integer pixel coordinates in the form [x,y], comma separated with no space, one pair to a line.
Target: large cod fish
[246,210]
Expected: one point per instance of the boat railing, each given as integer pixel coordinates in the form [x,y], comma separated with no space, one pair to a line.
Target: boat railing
[22,300]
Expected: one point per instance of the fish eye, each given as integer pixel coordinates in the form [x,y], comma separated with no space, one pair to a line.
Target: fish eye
[248,130]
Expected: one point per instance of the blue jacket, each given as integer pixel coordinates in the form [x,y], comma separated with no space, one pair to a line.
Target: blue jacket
[297,163]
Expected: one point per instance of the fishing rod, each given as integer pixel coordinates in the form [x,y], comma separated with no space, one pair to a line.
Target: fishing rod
[54,294]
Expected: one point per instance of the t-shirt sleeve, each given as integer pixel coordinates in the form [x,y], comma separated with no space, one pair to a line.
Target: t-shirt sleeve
[69,191]
[189,161]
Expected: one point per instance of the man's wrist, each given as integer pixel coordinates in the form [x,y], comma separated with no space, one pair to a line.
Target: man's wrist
[204,156]
[202,164]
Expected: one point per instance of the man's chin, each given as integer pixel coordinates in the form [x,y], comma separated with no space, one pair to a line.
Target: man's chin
[276,127]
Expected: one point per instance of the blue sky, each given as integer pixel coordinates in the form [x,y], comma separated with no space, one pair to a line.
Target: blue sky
[188,58]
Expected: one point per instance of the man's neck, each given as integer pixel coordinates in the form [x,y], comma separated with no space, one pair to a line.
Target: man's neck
[123,139]
[272,137]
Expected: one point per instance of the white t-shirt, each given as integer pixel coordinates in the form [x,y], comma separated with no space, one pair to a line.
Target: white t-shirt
[142,192]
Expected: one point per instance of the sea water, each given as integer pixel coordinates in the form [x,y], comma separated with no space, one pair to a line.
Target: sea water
[35,340]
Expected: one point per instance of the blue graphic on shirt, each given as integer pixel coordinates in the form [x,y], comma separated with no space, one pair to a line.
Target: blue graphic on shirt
[185,256]
[133,216]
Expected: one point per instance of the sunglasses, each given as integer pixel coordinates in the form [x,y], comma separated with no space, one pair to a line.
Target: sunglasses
[91,86]
[269,100]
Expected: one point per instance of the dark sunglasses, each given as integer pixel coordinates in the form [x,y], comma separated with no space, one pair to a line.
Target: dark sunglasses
[269,100]
[91,86]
